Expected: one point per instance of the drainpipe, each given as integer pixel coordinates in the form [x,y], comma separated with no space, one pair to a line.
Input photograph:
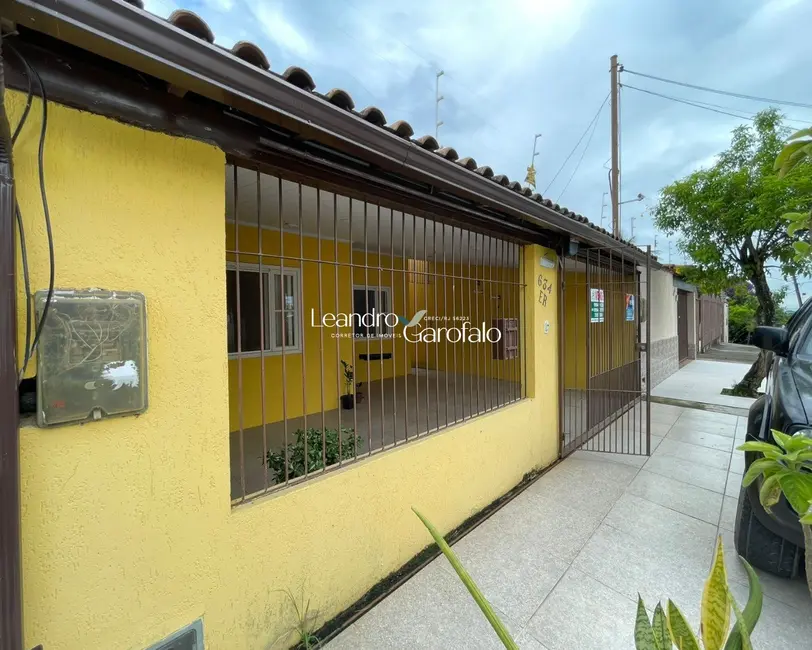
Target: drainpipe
[10,581]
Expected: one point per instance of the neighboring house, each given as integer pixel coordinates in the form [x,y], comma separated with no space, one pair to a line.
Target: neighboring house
[224,237]
[684,322]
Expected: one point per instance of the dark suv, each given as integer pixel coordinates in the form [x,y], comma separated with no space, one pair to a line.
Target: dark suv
[774,541]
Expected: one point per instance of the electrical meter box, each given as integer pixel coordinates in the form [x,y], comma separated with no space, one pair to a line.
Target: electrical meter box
[92,355]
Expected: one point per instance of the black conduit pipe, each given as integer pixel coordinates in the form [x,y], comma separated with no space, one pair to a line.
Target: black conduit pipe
[10,581]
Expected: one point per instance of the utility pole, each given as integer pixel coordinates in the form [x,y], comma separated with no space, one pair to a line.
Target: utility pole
[797,290]
[669,252]
[633,218]
[437,100]
[614,179]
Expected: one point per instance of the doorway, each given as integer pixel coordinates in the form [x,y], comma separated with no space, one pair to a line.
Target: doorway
[682,324]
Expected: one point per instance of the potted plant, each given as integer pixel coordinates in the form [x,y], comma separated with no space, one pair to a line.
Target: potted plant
[348,398]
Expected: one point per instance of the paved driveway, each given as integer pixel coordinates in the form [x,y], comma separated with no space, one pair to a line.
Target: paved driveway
[564,561]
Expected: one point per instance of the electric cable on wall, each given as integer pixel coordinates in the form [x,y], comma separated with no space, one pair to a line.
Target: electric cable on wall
[30,350]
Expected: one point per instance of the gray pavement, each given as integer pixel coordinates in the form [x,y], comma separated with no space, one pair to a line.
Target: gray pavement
[563,562]
[702,382]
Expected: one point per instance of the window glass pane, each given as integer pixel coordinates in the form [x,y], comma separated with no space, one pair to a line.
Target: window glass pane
[285,283]
[383,301]
[363,304]
[290,329]
[249,310]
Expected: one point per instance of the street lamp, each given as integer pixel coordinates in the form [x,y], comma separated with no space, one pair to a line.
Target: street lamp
[639,197]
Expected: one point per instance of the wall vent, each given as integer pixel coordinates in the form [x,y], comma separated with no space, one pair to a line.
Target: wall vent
[189,638]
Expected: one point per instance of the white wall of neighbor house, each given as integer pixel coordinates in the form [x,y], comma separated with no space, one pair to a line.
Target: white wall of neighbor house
[662,311]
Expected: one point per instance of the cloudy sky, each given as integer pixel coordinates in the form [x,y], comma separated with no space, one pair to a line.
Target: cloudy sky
[520,67]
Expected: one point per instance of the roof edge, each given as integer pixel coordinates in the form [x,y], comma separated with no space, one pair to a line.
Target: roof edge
[138,39]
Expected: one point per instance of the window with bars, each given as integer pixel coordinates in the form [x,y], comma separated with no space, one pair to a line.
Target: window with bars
[266,317]
[334,269]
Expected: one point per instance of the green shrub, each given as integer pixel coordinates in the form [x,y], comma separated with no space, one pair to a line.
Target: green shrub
[315,459]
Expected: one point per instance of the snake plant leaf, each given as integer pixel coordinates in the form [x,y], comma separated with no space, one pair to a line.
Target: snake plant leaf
[752,610]
[715,608]
[659,626]
[643,634]
[681,634]
[741,626]
[497,625]
[797,488]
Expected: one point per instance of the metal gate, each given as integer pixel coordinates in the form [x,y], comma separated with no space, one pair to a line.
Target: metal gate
[604,365]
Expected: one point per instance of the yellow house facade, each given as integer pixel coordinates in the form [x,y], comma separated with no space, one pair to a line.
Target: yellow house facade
[134,528]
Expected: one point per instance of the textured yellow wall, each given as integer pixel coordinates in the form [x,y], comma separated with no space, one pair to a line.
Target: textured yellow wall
[128,532]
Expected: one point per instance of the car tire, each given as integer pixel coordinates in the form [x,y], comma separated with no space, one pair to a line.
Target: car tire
[761,547]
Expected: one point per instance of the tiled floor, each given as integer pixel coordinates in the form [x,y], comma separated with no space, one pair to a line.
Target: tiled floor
[563,563]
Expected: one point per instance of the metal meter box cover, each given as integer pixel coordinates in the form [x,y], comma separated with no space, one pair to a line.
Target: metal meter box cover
[92,355]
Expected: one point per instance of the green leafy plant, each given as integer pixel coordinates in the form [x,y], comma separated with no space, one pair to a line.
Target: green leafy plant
[786,468]
[349,376]
[333,451]
[668,627]
[796,152]
[664,630]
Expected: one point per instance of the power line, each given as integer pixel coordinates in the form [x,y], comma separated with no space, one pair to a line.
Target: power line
[710,107]
[685,101]
[583,135]
[583,153]
[720,92]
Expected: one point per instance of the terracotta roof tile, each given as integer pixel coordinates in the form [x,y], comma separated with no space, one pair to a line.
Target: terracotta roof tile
[374,115]
[250,53]
[340,98]
[403,129]
[468,162]
[485,171]
[300,78]
[428,142]
[192,24]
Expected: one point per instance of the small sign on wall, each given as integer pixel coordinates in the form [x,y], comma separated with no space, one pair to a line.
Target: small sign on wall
[629,307]
[596,306]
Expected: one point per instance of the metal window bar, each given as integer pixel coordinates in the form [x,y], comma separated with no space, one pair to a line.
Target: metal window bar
[269,326]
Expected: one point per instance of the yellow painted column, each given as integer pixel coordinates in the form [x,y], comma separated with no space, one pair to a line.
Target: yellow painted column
[541,335]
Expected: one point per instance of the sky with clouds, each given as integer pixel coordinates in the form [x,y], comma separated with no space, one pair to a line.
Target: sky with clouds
[520,67]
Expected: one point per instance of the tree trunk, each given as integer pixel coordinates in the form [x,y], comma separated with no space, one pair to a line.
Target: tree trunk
[765,315]
[748,386]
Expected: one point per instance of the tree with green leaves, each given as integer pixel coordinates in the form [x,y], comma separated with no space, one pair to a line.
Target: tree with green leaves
[729,219]
[797,153]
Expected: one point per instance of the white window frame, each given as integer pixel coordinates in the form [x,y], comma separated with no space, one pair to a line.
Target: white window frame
[387,331]
[271,308]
